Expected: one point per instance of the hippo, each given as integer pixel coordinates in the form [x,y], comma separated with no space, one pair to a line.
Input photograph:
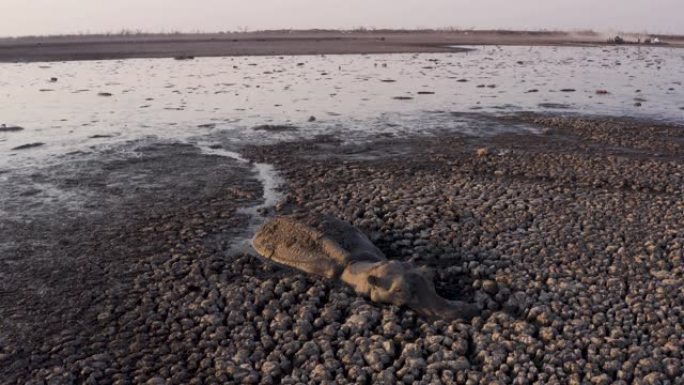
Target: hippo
[328,247]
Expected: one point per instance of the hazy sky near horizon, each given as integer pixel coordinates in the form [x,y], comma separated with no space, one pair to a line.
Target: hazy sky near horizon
[41,17]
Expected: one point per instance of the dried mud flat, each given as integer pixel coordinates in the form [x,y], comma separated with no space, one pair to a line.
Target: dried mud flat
[572,241]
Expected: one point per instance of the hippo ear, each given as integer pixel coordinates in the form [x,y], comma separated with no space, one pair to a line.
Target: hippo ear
[427,272]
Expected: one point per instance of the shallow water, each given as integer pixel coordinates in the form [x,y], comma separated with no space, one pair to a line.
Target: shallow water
[357,95]
[93,107]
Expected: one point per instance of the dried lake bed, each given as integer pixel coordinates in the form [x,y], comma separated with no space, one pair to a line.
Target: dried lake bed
[132,186]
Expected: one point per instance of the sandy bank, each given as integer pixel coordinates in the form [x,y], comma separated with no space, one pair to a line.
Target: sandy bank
[63,48]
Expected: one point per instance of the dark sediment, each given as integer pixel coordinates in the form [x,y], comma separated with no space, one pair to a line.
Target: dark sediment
[275,128]
[28,145]
[4,128]
[558,106]
[571,240]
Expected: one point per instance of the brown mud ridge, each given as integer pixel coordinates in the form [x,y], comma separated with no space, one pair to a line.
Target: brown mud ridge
[571,241]
[314,42]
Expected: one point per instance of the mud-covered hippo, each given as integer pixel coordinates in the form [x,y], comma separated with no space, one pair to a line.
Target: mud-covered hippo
[328,247]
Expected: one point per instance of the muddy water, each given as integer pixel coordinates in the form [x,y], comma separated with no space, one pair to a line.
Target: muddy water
[74,105]
[270,181]
[76,111]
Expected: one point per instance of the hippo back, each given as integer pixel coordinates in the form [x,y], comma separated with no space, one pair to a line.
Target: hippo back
[320,245]
[348,237]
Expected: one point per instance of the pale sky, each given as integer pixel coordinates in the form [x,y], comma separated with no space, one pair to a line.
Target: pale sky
[40,17]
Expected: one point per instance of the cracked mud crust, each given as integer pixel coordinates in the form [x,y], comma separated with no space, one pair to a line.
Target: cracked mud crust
[571,240]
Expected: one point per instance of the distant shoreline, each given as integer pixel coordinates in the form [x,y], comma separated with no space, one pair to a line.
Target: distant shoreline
[316,42]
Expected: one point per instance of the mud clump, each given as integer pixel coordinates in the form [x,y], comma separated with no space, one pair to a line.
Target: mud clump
[554,106]
[5,128]
[275,128]
[482,151]
[28,146]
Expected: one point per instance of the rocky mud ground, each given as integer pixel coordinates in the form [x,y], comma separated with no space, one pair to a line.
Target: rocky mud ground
[571,240]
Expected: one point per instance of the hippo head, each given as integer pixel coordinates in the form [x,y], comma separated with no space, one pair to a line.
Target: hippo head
[263,240]
[403,284]
[399,283]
